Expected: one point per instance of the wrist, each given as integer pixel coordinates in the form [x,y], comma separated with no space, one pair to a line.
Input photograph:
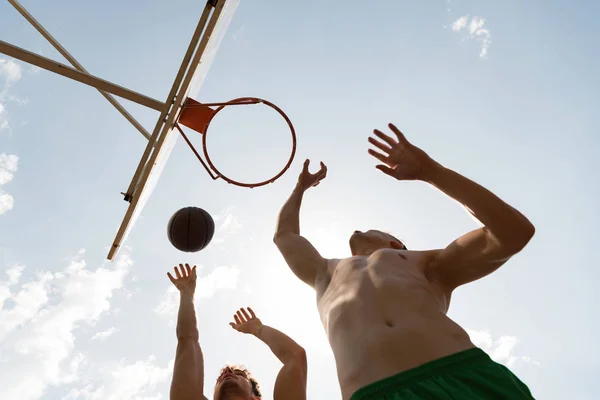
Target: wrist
[299,189]
[430,171]
[186,294]
[259,330]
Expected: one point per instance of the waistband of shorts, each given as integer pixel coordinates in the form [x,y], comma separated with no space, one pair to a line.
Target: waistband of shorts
[451,363]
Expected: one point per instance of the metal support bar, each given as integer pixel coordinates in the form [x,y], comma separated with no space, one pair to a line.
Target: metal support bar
[214,177]
[64,70]
[76,64]
[185,62]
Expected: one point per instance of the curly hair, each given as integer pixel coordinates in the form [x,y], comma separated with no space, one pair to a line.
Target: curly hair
[255,386]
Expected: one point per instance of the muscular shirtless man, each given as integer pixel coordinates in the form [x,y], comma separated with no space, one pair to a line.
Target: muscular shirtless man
[233,383]
[384,309]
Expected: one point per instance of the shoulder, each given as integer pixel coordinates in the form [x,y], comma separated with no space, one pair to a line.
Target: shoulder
[324,276]
[426,261]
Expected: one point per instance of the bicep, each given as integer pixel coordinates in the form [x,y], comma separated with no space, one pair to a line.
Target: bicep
[291,380]
[469,258]
[188,371]
[301,256]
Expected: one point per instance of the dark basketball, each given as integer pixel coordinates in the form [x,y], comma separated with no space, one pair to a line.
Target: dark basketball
[191,229]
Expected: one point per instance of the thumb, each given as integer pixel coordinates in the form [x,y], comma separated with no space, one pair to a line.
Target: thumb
[385,169]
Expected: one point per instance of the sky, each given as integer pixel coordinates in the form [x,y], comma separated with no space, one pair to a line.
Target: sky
[504,92]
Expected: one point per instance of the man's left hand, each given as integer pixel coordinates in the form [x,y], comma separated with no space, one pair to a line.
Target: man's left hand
[246,322]
[401,159]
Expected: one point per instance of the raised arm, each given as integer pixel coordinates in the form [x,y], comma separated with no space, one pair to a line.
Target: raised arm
[291,380]
[301,256]
[188,370]
[478,253]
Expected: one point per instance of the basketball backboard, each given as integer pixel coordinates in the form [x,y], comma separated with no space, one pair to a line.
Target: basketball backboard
[203,47]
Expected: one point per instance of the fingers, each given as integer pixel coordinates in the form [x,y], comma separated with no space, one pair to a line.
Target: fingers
[241,317]
[305,167]
[182,272]
[381,157]
[171,278]
[252,313]
[399,134]
[237,319]
[389,140]
[246,315]
[323,167]
[380,145]
[385,169]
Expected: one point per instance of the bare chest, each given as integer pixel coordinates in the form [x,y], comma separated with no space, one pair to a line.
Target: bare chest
[386,286]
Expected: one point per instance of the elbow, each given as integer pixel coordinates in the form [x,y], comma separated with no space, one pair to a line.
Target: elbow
[526,234]
[298,356]
[279,237]
[519,238]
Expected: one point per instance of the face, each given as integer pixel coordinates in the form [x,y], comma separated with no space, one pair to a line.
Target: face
[365,243]
[233,384]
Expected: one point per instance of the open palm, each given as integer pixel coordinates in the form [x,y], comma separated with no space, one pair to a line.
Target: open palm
[246,321]
[185,278]
[401,159]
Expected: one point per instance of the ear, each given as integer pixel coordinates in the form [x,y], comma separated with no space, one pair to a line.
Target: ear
[396,245]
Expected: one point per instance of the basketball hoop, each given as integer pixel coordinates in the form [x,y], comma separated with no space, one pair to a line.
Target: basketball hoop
[198,116]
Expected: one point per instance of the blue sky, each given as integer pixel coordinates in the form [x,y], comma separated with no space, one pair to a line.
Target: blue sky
[504,92]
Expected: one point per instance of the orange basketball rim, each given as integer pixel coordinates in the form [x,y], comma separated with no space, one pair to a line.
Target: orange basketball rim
[197,116]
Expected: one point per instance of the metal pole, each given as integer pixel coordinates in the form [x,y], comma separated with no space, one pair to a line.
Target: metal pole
[64,70]
[76,64]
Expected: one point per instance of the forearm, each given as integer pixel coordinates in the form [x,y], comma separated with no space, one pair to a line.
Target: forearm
[289,216]
[506,223]
[187,327]
[284,347]
[188,368]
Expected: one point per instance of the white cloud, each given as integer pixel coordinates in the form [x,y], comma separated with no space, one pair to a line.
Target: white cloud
[3,117]
[126,381]
[8,167]
[221,278]
[501,349]
[10,73]
[226,225]
[41,319]
[460,23]
[105,334]
[475,30]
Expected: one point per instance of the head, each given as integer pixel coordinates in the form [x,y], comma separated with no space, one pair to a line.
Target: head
[236,383]
[365,243]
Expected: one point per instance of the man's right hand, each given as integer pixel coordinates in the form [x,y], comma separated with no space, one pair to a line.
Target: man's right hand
[307,180]
[185,279]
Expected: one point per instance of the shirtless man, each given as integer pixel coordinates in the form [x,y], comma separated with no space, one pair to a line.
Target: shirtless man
[384,309]
[234,382]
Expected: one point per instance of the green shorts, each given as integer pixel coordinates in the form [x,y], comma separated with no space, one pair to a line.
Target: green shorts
[468,375]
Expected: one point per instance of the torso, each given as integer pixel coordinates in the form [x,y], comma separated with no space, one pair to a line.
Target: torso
[383,316]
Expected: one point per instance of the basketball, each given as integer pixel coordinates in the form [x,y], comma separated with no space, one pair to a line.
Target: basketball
[191,229]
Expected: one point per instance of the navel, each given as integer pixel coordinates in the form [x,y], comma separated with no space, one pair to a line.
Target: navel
[402,256]
[389,323]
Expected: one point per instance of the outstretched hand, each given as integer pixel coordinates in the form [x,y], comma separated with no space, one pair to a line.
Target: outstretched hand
[185,279]
[246,322]
[307,180]
[401,159]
